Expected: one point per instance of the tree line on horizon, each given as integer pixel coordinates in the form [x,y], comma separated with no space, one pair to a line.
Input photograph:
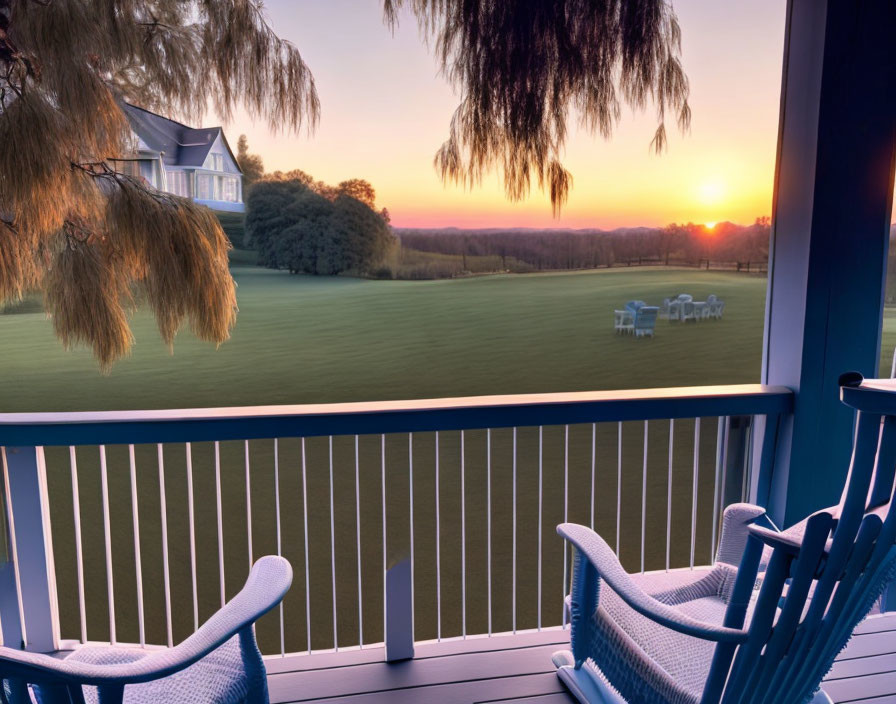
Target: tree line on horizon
[727,245]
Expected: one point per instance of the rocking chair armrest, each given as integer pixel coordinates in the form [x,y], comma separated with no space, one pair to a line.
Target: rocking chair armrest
[593,548]
[790,540]
[268,582]
[737,521]
[778,539]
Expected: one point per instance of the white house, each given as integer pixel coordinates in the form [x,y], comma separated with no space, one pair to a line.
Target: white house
[193,162]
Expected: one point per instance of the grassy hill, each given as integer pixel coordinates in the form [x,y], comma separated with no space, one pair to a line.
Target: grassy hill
[306,339]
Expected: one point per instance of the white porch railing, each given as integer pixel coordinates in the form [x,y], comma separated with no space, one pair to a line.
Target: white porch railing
[404,521]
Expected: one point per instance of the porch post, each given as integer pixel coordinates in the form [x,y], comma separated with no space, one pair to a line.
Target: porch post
[831,215]
[399,606]
[32,552]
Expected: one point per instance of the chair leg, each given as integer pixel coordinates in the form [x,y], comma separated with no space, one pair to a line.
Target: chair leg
[586,686]
[111,693]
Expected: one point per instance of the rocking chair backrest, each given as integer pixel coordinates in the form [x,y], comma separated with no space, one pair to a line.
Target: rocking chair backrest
[832,568]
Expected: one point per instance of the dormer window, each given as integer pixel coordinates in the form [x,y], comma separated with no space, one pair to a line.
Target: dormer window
[218,162]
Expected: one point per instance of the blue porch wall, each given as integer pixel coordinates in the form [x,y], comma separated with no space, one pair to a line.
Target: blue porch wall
[225,205]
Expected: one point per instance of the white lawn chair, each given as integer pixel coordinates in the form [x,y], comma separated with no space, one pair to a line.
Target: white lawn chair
[624,321]
[701,310]
[674,310]
[645,321]
[688,311]
[677,305]
[665,309]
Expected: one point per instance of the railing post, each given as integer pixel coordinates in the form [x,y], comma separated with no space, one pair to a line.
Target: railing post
[399,632]
[10,616]
[28,511]
[736,453]
[764,448]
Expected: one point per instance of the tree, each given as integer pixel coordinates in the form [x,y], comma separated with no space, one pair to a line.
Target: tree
[356,188]
[269,211]
[307,245]
[251,164]
[521,66]
[296,227]
[364,236]
[670,239]
[294,175]
[74,226]
[359,189]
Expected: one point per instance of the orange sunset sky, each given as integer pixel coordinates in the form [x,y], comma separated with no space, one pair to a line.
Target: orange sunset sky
[385,110]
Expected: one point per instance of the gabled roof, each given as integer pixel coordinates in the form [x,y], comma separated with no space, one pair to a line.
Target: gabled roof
[180,145]
[196,144]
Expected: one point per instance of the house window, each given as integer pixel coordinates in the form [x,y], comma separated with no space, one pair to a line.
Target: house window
[149,172]
[205,187]
[179,183]
[213,187]
[230,187]
[218,162]
[144,170]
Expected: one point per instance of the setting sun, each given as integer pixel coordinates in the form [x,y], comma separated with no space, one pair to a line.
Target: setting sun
[709,225]
[711,192]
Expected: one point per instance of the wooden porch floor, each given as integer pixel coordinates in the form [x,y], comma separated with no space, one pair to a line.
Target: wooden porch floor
[518,669]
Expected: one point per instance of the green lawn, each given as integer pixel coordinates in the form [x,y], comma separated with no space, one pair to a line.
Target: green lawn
[301,339]
[304,339]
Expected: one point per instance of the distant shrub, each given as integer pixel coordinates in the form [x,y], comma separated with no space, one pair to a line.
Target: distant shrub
[234,226]
[381,272]
[427,270]
[243,257]
[408,263]
[298,229]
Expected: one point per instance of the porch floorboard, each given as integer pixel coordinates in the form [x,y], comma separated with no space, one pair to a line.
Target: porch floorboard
[518,669]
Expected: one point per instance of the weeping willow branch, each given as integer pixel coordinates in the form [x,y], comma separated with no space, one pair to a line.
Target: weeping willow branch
[72,226]
[522,67]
